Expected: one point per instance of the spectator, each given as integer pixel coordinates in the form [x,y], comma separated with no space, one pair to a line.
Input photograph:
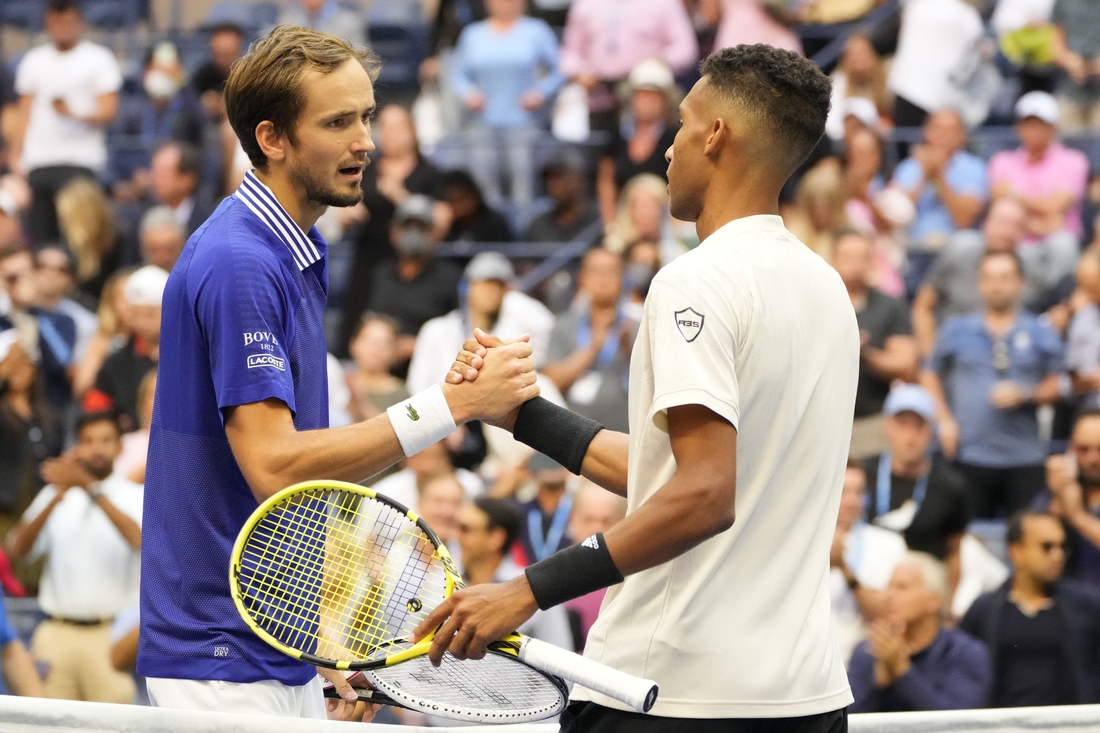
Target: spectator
[427,465]
[130,463]
[399,171]
[860,73]
[947,183]
[112,335]
[951,288]
[441,498]
[883,212]
[1076,49]
[327,16]
[473,219]
[505,69]
[1042,631]
[747,21]
[544,524]
[29,431]
[573,211]
[373,388]
[88,228]
[209,79]
[1073,483]
[167,110]
[937,37]
[413,287]
[49,337]
[862,559]
[644,214]
[820,208]
[15,197]
[116,385]
[174,182]
[90,538]
[1049,180]
[20,677]
[920,497]
[887,351]
[605,39]
[1083,337]
[487,529]
[997,365]
[910,661]
[645,133]
[55,270]
[162,238]
[1026,38]
[595,510]
[68,95]
[490,304]
[641,261]
[590,345]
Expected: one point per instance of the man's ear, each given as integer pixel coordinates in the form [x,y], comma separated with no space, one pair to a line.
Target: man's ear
[272,144]
[719,137]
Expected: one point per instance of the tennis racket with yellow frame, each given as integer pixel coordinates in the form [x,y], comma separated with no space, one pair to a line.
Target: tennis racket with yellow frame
[337,575]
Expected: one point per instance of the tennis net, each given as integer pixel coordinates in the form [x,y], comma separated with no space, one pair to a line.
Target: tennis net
[28,715]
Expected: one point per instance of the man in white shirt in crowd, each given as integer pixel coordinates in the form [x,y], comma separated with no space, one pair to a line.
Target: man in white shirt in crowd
[87,524]
[68,94]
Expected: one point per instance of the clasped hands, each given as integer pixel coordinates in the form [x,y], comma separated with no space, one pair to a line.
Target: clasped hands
[507,376]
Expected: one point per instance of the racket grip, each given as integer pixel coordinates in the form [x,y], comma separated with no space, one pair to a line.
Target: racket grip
[638,693]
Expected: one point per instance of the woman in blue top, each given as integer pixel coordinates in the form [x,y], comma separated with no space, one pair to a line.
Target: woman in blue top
[505,69]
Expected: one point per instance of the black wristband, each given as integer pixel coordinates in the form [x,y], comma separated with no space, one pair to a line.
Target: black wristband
[573,572]
[555,431]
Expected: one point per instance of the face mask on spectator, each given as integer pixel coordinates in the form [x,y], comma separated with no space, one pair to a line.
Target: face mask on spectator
[160,84]
[640,276]
[413,242]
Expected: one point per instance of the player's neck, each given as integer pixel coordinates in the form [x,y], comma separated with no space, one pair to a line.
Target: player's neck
[304,212]
[726,202]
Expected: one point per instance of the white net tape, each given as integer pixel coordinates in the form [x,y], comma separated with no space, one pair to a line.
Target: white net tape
[29,715]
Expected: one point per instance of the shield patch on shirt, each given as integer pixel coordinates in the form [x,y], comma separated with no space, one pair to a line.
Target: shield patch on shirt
[690,323]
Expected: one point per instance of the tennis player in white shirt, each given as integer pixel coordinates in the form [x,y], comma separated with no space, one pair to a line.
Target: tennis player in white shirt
[742,383]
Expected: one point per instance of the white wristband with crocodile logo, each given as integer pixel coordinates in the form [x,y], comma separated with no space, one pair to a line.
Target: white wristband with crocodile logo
[422,420]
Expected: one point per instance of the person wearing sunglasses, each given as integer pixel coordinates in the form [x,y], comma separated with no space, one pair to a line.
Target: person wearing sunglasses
[1042,630]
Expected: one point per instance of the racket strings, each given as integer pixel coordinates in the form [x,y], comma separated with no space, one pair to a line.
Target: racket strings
[339,575]
[492,688]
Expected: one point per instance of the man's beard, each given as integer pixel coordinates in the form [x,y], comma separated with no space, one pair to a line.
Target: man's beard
[317,192]
[99,472]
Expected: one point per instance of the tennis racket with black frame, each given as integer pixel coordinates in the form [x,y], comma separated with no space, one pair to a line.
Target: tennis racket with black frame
[337,575]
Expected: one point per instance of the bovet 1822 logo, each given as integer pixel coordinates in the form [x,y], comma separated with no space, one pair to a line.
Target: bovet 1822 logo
[690,323]
[266,360]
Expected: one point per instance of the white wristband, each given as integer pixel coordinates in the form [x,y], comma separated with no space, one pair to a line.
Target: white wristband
[422,420]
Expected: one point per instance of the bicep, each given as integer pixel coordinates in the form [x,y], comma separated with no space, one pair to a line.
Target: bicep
[254,430]
[705,447]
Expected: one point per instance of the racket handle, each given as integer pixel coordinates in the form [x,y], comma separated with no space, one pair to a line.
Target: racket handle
[638,693]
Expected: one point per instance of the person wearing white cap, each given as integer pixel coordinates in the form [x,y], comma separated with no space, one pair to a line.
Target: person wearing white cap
[116,385]
[638,146]
[1048,178]
[860,75]
[1076,49]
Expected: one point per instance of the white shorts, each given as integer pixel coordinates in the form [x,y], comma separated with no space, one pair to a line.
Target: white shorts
[266,697]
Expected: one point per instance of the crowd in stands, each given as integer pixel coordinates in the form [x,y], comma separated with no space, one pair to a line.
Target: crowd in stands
[956,194]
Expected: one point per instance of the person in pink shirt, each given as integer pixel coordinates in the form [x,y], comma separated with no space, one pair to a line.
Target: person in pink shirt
[746,21]
[1049,179]
[605,39]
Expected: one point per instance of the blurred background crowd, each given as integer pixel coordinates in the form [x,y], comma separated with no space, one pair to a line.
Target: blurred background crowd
[519,187]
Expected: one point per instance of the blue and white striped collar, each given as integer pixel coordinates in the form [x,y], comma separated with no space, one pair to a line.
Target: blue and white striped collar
[262,202]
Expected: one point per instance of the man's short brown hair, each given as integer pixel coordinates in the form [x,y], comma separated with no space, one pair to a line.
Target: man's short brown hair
[266,83]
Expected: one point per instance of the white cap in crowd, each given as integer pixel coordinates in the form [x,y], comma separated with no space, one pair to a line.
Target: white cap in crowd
[145,286]
[489,266]
[1040,105]
[862,109]
[910,398]
[651,74]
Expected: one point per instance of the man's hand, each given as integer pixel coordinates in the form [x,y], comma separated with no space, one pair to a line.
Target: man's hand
[475,101]
[507,380]
[887,645]
[949,437]
[932,160]
[64,473]
[474,617]
[62,108]
[1007,395]
[1068,499]
[532,100]
[349,708]
[470,360]
[836,552]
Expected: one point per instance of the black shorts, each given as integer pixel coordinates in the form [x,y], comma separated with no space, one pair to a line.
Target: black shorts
[588,717]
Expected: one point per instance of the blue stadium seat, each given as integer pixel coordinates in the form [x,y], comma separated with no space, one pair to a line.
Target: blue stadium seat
[114,14]
[399,35]
[252,17]
[25,14]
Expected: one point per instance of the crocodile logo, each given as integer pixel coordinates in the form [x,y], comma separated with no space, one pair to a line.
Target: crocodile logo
[413,415]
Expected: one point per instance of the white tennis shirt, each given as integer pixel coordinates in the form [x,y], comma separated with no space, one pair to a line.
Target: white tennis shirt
[759,329]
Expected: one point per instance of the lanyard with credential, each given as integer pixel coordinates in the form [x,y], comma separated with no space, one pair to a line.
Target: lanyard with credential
[610,344]
[545,547]
[882,487]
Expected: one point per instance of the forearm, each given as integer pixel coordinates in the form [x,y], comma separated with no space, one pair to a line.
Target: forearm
[605,463]
[606,190]
[126,526]
[25,535]
[892,363]
[19,671]
[924,319]
[931,381]
[1047,391]
[963,209]
[124,652]
[105,110]
[1087,525]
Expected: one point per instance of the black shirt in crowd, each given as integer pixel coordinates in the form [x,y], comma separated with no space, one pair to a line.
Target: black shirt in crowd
[943,513]
[1033,668]
[545,227]
[880,318]
[625,166]
[432,293]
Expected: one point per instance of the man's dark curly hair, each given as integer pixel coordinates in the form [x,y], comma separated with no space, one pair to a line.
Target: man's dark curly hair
[787,94]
